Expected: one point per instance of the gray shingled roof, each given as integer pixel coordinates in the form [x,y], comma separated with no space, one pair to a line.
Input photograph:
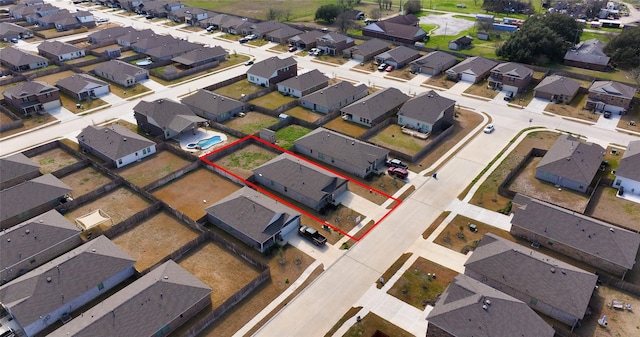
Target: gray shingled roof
[426,107]
[591,236]
[134,36]
[613,88]
[16,165]
[200,54]
[211,102]
[307,37]
[11,28]
[63,279]
[306,81]
[371,46]
[80,82]
[57,47]
[400,54]
[29,88]
[172,50]
[267,68]
[629,166]
[142,308]
[253,214]
[557,283]
[342,148]
[300,176]
[118,69]
[476,65]
[284,32]
[377,104]
[110,33]
[114,141]
[462,310]
[167,113]
[336,93]
[512,69]
[561,85]
[589,51]
[334,37]
[572,159]
[35,192]
[435,59]
[27,239]
[395,30]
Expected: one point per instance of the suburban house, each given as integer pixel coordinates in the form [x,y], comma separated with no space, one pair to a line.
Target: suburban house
[42,296]
[628,171]
[201,56]
[594,242]
[395,32]
[32,97]
[212,106]
[460,43]
[349,154]
[272,70]
[334,97]
[60,51]
[470,308]
[570,163]
[374,108]
[366,51]
[588,55]
[135,36]
[333,43]
[303,84]
[169,51]
[75,20]
[171,296]
[115,144]
[110,34]
[18,60]
[83,86]
[433,63]
[512,77]
[195,15]
[263,28]
[30,244]
[282,35]
[30,198]
[31,13]
[557,89]
[407,20]
[609,96]
[122,73]
[427,112]
[551,287]
[166,118]
[254,218]
[398,56]
[301,181]
[9,31]
[473,69]
[17,168]
[306,40]
[224,22]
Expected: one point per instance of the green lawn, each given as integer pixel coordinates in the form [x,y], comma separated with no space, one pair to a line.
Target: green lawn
[287,135]
[272,100]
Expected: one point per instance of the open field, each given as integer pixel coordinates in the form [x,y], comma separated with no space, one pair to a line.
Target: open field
[153,239]
[304,114]
[371,323]
[85,180]
[243,161]
[238,89]
[189,193]
[272,100]
[610,208]
[347,128]
[152,168]
[458,237]
[251,123]
[119,204]
[53,160]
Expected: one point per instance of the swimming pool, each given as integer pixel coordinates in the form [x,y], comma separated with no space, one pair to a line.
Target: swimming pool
[144,62]
[204,144]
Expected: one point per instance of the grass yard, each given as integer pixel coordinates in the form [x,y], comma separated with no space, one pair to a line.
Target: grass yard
[304,114]
[272,100]
[119,204]
[610,208]
[336,59]
[125,93]
[372,323]
[440,81]
[393,138]
[348,128]
[574,109]
[393,269]
[238,89]
[435,224]
[70,103]
[481,89]
[287,135]
[251,123]
[194,192]
[631,119]
[154,238]
[341,217]
[53,78]
[616,75]
[458,237]
[152,168]
[347,315]
[243,161]
[418,286]
[53,160]
[85,180]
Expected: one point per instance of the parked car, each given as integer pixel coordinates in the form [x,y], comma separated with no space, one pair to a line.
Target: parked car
[314,51]
[251,36]
[100,20]
[398,172]
[396,163]
[312,235]
[607,114]
[243,40]
[489,128]
[211,28]
[509,96]
[382,66]
[293,48]
[149,17]
[248,63]
[14,40]
[461,6]
[389,68]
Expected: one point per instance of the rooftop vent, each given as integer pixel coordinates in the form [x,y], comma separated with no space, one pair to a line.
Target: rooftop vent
[27,231]
[611,229]
[553,270]
[166,277]
[484,306]
[49,279]
[487,302]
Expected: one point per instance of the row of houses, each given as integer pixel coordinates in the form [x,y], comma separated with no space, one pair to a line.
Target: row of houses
[46,15]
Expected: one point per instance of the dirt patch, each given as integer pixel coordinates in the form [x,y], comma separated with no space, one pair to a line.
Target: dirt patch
[238,89]
[85,181]
[440,81]
[251,123]
[574,109]
[196,191]
[481,89]
[348,128]
[119,204]
[393,269]
[621,322]
[243,161]
[152,168]
[53,160]
[372,323]
[272,100]
[304,114]
[459,237]
[153,239]
[608,207]
[53,78]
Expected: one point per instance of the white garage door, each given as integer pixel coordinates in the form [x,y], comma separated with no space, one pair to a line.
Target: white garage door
[468,78]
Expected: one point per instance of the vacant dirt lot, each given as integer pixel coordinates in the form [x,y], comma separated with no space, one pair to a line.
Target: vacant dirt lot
[53,78]
[85,181]
[621,323]
[458,237]
[418,287]
[196,191]
[119,204]
[53,160]
[251,123]
[242,162]
[615,210]
[153,239]
[152,168]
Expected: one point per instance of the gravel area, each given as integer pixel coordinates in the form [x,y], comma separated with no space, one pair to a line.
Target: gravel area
[453,26]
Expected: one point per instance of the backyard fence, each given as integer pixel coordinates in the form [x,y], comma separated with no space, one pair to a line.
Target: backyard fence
[132,221]
[503,190]
[16,122]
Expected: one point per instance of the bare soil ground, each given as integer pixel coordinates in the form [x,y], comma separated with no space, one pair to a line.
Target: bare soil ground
[481,89]
[153,239]
[220,269]
[29,123]
[53,160]
[242,162]
[304,114]
[152,168]
[53,78]
[85,181]
[188,193]
[342,217]
[4,118]
[371,323]
[631,119]
[237,89]
[119,204]
[621,323]
[615,210]
[440,81]
[458,237]
[251,123]
[348,128]
[272,100]
[393,269]
[574,109]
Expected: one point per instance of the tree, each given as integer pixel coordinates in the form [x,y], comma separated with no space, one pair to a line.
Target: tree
[412,7]
[273,14]
[376,14]
[623,49]
[344,23]
[286,13]
[328,13]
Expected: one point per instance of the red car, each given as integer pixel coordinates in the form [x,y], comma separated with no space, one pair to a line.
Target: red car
[398,172]
[389,68]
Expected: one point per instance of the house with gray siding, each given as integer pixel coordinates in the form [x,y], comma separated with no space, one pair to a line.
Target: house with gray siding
[10,31]
[349,154]
[473,69]
[272,71]
[83,86]
[334,97]
[201,56]
[303,84]
[301,181]
[427,112]
[398,56]
[366,51]
[375,108]
[171,296]
[42,296]
[165,117]
[570,163]
[628,171]
[117,145]
[17,168]
[212,106]
[18,60]
[122,73]
[557,89]
[597,243]
[433,63]
[60,51]
[254,218]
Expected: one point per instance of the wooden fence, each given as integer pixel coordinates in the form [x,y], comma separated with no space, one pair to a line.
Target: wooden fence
[502,188]
[16,122]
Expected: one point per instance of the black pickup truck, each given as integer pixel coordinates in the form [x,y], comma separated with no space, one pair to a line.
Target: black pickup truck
[312,235]
[396,163]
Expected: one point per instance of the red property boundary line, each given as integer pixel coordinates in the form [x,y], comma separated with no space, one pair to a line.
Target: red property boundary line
[264,191]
